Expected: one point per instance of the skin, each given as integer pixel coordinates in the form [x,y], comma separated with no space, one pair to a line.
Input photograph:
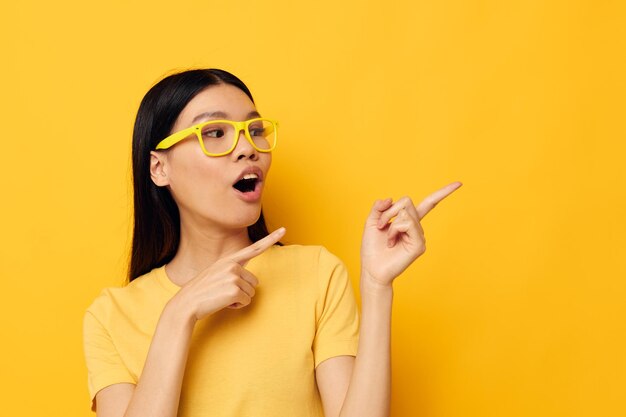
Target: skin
[213,220]
[210,269]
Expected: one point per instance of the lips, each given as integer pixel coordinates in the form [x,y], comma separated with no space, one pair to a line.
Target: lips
[248,184]
[248,179]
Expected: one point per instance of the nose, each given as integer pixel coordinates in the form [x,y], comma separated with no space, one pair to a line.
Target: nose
[244,148]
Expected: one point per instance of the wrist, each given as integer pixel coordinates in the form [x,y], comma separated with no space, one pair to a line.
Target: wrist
[370,285]
[179,311]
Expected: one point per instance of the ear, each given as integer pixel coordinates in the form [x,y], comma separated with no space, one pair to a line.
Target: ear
[158,173]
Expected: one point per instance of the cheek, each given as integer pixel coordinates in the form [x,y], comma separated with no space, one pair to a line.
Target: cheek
[196,180]
[266,160]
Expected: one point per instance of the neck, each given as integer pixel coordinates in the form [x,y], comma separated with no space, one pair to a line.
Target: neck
[200,247]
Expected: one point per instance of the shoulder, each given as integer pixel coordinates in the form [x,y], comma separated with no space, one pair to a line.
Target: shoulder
[317,255]
[305,260]
[310,251]
[116,299]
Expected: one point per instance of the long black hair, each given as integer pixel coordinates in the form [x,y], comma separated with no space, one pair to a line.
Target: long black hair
[156,228]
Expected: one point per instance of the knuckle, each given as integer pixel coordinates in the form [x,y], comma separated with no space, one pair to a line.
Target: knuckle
[422,248]
[233,292]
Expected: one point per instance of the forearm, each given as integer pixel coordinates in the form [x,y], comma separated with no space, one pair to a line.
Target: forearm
[157,393]
[369,393]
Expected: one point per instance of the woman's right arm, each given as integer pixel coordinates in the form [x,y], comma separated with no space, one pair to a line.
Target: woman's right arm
[158,390]
[225,284]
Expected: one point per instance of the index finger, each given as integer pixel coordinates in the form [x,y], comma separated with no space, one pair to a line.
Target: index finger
[244,255]
[432,200]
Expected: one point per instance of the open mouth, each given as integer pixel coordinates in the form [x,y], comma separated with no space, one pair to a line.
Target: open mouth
[247,183]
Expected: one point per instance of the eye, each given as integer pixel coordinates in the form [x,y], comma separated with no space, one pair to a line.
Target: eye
[256,130]
[212,132]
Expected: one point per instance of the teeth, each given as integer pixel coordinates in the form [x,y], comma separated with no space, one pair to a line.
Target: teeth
[250,176]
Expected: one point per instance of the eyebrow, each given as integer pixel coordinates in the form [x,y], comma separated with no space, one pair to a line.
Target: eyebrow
[220,115]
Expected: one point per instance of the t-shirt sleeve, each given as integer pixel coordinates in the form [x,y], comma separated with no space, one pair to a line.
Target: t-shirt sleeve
[337,329]
[104,364]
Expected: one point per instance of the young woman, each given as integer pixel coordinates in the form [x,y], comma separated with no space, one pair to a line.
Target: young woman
[219,318]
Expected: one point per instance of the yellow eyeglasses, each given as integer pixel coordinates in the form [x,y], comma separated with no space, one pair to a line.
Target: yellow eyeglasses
[219,137]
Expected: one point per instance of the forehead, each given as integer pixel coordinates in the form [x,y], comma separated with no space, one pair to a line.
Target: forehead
[226,100]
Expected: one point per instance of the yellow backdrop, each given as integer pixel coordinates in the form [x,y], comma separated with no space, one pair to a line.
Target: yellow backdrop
[516,308]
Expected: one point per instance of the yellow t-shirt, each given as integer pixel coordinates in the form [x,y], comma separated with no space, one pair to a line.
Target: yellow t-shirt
[257,361]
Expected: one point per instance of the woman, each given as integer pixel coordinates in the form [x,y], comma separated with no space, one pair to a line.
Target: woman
[219,318]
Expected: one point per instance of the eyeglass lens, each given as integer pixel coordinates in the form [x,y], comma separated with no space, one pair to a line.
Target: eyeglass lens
[220,137]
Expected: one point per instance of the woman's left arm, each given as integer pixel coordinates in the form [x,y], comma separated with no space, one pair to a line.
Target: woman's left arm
[361,387]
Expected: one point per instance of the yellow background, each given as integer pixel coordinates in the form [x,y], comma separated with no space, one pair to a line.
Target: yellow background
[517,308]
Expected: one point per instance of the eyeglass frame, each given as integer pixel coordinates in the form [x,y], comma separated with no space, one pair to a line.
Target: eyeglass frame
[176,137]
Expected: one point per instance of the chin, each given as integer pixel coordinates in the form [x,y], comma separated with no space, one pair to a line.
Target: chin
[247,218]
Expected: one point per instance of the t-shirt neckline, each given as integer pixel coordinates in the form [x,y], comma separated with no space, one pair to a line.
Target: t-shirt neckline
[173,288]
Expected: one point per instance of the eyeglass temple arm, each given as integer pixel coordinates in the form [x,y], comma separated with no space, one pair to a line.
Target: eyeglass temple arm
[175,138]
